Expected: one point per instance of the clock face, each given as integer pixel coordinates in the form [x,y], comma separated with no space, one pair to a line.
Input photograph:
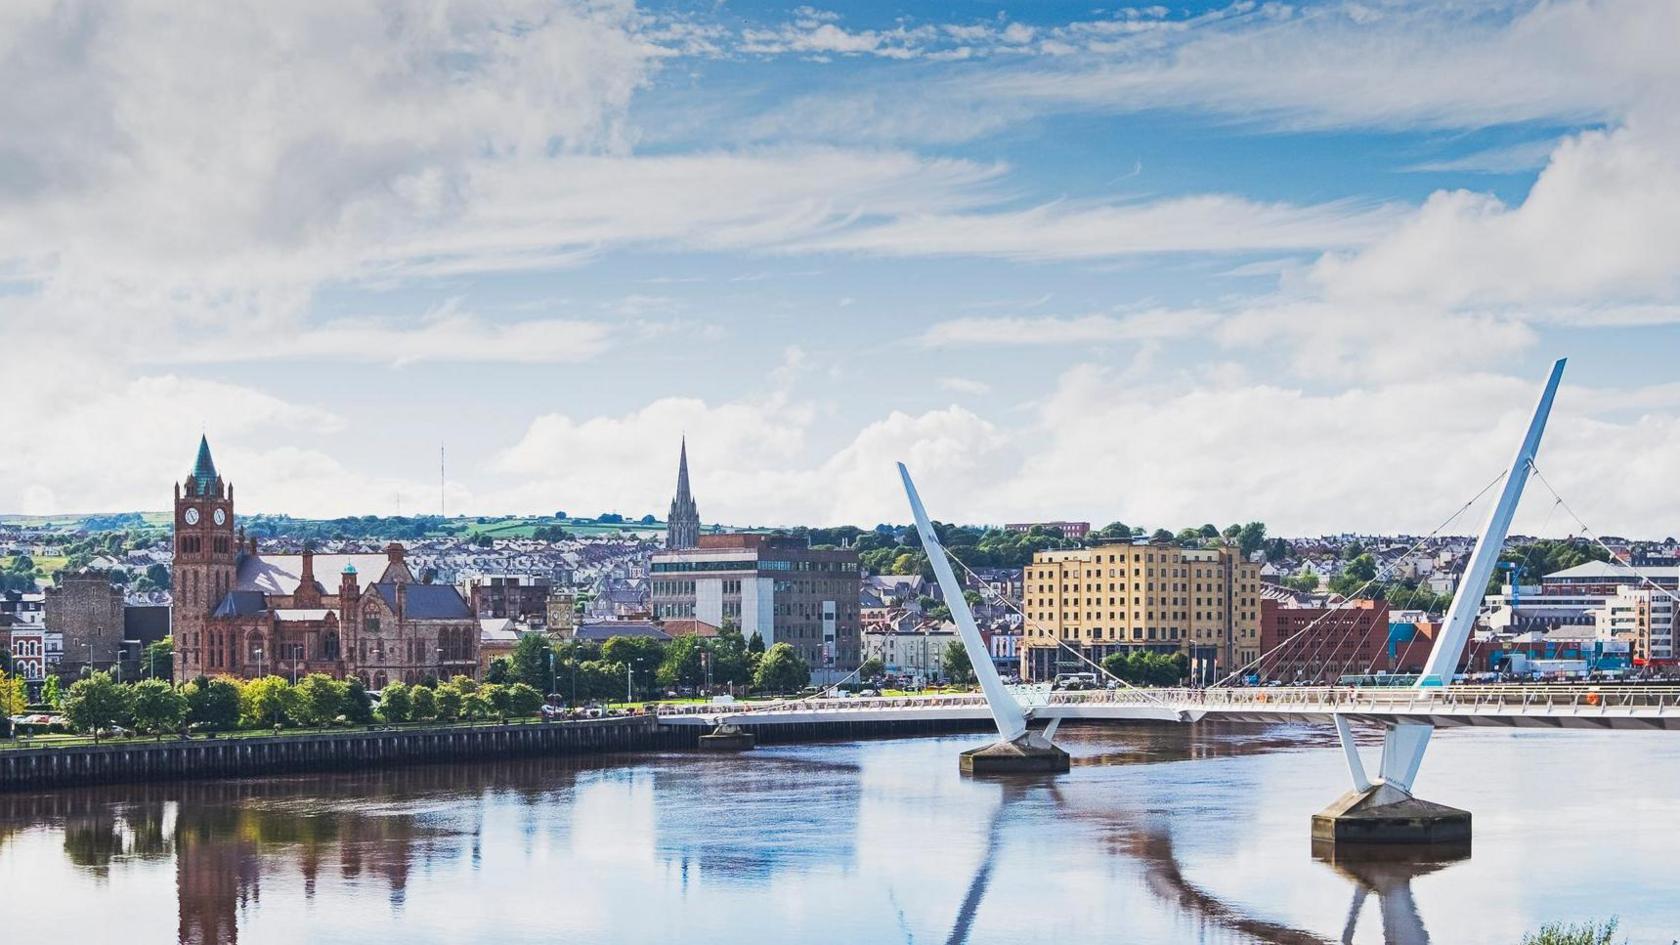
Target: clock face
[191,515]
[220,517]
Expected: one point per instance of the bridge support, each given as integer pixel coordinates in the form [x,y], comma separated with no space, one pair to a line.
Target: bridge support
[1017,751]
[1384,811]
[1031,753]
[727,737]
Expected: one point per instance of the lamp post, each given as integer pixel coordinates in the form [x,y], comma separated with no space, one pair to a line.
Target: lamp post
[440,664]
[259,662]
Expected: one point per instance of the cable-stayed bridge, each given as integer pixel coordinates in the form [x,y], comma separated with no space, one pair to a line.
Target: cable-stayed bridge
[1379,808]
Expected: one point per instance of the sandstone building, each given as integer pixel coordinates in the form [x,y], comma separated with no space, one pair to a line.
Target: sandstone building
[1117,598]
[241,612]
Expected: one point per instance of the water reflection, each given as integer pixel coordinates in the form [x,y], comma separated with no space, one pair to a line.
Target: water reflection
[1158,835]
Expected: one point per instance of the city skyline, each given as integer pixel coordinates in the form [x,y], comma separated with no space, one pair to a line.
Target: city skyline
[1134,264]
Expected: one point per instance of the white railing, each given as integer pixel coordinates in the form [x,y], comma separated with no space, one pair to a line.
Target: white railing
[1397,700]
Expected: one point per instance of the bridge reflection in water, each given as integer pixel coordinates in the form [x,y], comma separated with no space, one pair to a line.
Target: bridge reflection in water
[1160,833]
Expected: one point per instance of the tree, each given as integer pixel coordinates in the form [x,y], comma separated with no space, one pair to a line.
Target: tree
[395,703]
[523,700]
[499,698]
[96,702]
[321,700]
[1251,537]
[755,645]
[782,670]
[158,707]
[958,668]
[475,705]
[213,703]
[267,701]
[53,692]
[499,671]
[5,660]
[425,703]
[159,659]
[358,705]
[1161,534]
[871,668]
[532,663]
[13,700]
[447,703]
[731,663]
[683,664]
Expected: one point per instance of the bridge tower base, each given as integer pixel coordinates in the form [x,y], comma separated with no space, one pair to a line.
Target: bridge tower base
[1384,814]
[1028,754]
[727,738]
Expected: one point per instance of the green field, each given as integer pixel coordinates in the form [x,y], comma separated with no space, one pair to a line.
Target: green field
[44,564]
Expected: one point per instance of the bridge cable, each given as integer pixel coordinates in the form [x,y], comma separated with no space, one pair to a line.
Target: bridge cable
[1587,530]
[1299,634]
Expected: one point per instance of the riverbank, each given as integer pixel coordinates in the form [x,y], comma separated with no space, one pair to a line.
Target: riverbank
[251,754]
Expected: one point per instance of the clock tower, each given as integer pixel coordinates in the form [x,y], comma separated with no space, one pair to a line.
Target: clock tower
[206,558]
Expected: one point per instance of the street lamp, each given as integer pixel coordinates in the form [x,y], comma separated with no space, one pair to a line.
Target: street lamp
[440,664]
[259,662]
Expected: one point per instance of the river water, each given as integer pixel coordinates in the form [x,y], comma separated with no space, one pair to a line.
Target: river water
[1160,834]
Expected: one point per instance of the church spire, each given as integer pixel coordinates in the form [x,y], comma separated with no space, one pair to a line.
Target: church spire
[204,468]
[682,526]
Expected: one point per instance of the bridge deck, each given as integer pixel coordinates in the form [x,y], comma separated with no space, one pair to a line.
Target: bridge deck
[1573,706]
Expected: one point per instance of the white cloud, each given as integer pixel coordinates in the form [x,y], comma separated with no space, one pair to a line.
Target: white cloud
[1021,331]
[1208,223]
[1352,64]
[1108,446]
[1600,225]
[965,385]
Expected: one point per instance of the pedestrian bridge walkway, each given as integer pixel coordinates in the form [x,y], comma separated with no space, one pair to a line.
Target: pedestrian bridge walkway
[1552,706]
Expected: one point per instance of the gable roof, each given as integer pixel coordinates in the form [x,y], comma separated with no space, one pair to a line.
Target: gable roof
[281,574]
[426,601]
[240,603]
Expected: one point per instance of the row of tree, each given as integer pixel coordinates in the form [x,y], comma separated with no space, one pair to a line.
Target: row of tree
[1146,668]
[98,703]
[581,671]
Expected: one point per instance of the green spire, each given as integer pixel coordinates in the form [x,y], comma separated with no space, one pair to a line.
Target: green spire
[204,469]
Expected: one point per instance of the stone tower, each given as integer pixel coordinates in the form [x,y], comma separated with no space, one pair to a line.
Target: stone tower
[206,558]
[682,526]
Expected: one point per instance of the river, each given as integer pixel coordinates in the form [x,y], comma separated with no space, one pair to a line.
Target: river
[1159,834]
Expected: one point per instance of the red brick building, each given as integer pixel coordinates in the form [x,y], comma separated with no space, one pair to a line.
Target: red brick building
[1323,643]
[239,612]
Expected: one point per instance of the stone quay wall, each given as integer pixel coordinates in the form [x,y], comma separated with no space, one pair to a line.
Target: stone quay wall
[237,757]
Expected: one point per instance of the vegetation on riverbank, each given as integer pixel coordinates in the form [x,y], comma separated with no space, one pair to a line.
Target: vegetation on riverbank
[1592,932]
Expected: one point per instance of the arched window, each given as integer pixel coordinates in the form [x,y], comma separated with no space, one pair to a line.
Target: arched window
[329,645]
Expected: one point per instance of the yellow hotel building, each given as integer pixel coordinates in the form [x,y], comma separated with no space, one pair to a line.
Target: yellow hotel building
[1116,598]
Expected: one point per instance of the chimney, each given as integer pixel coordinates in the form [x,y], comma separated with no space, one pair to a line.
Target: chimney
[307,592]
[394,553]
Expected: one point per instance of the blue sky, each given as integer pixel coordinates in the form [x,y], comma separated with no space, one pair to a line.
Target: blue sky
[1167,264]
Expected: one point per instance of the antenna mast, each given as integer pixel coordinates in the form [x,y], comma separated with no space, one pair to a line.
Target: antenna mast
[443,511]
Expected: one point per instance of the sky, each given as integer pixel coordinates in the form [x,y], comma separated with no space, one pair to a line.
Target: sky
[1306,264]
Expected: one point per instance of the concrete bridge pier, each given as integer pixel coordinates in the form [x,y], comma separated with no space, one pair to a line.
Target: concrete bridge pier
[1028,753]
[727,737]
[1382,810]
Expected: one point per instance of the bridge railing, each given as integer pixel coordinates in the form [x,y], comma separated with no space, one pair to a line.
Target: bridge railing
[1392,699]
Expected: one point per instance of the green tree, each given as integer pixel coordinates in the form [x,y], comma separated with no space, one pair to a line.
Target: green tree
[523,700]
[158,707]
[358,705]
[499,698]
[13,700]
[731,663]
[213,704]
[395,703]
[267,701]
[499,671]
[871,668]
[321,699]
[447,703]
[53,692]
[958,668]
[755,644]
[425,703]
[476,705]
[532,663]
[683,664]
[158,659]
[782,670]
[96,702]
[1251,538]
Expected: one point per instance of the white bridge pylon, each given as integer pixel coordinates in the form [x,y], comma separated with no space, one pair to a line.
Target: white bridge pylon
[1405,742]
[1007,713]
